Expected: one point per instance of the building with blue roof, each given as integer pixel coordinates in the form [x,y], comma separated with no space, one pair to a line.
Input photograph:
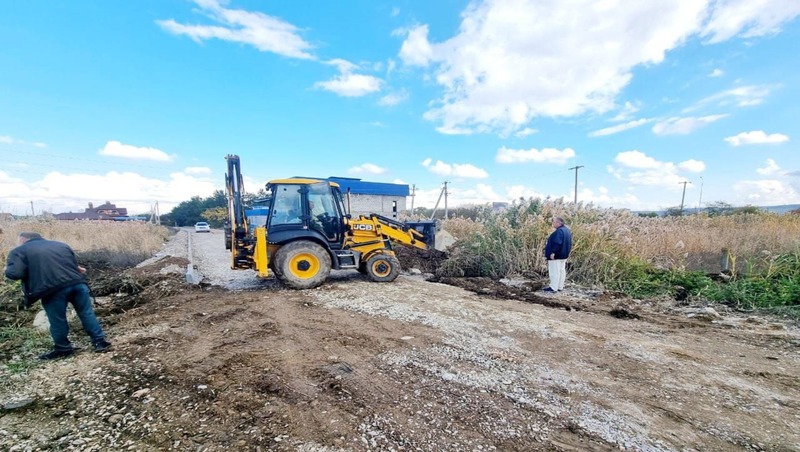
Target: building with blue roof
[365,197]
[382,198]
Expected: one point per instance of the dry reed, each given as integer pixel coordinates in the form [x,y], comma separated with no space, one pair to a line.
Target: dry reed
[511,242]
[120,238]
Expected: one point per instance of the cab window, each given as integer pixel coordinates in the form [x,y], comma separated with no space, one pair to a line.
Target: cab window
[286,205]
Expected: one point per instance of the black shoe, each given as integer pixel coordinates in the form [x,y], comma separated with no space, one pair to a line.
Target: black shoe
[56,354]
[549,290]
[102,346]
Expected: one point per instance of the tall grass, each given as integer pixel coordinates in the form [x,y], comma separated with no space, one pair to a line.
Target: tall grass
[128,242]
[617,249]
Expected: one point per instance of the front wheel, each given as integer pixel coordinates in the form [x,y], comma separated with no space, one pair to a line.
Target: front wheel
[383,267]
[302,264]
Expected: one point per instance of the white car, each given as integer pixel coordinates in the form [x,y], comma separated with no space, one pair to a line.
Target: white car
[202,227]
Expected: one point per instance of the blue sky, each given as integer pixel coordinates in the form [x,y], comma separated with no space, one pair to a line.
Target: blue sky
[139,102]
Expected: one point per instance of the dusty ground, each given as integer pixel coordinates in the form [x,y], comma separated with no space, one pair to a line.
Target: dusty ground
[410,365]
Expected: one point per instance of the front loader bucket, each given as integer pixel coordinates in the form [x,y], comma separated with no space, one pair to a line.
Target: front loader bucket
[435,237]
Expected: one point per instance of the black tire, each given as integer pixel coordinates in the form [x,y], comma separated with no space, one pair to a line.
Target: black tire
[273,266]
[383,267]
[302,264]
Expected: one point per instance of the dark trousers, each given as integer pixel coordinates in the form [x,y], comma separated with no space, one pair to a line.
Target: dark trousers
[55,306]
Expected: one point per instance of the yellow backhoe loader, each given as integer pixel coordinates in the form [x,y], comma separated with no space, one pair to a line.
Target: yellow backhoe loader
[306,232]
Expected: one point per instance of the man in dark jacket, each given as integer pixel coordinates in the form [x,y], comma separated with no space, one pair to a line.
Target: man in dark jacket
[559,244]
[49,271]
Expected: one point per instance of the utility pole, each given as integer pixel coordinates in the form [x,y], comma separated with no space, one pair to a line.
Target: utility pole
[700,201]
[441,193]
[684,193]
[445,200]
[413,194]
[576,181]
[33,214]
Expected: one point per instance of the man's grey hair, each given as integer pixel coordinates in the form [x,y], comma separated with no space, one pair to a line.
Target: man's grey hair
[559,220]
[30,235]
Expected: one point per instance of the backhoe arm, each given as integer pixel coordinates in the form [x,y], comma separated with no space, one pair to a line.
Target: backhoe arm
[376,228]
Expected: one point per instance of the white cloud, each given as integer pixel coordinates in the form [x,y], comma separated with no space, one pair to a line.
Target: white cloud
[57,192]
[265,33]
[416,50]
[506,66]
[601,196]
[692,166]
[546,155]
[5,139]
[395,12]
[636,159]
[756,137]
[521,191]
[765,192]
[527,131]
[367,168]
[457,196]
[197,170]
[716,73]
[748,18]
[741,96]
[348,84]
[392,99]
[684,126]
[770,169]
[465,170]
[637,168]
[619,127]
[127,151]
[626,112]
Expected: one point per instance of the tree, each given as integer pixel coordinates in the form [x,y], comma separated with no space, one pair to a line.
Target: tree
[718,208]
[216,216]
[215,206]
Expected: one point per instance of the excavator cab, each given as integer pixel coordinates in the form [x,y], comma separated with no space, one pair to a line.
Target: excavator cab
[306,208]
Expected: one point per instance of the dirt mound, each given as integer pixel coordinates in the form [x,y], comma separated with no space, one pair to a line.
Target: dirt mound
[139,285]
[427,261]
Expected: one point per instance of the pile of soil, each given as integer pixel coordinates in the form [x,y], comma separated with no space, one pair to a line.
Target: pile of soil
[426,261]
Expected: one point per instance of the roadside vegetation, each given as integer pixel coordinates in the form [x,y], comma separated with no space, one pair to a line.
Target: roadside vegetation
[746,258]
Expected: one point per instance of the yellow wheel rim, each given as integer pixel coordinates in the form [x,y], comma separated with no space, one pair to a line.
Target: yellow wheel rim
[304,265]
[381,268]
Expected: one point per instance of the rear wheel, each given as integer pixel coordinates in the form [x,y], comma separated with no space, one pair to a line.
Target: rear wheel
[383,267]
[302,264]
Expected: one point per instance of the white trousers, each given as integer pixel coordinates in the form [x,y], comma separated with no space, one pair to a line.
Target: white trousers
[557,268]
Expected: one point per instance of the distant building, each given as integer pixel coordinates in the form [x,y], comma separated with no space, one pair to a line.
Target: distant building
[105,211]
[373,197]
